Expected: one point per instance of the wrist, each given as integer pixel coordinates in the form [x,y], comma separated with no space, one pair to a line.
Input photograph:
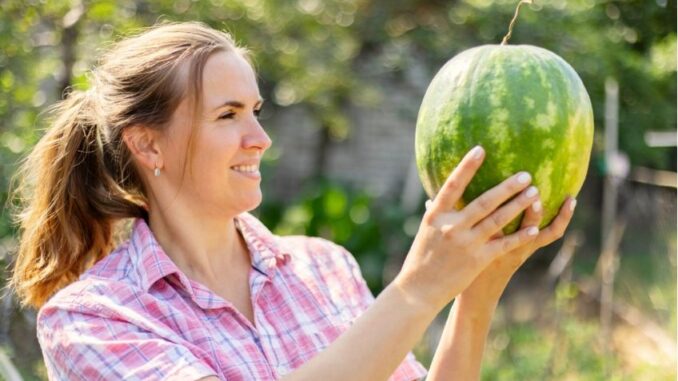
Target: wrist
[475,305]
[482,298]
[412,302]
[489,285]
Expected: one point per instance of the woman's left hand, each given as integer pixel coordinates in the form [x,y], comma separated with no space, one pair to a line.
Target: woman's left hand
[490,283]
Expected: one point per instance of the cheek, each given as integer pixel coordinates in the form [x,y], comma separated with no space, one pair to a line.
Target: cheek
[216,153]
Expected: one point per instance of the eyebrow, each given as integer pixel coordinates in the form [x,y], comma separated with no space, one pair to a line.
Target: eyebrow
[237,104]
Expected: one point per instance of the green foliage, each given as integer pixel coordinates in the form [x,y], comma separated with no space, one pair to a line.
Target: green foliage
[307,50]
[371,231]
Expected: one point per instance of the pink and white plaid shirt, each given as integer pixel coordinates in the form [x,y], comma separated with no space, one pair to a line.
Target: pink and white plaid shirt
[135,316]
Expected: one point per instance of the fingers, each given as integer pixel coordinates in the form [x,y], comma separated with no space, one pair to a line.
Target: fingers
[456,183]
[556,229]
[505,214]
[508,243]
[533,215]
[482,206]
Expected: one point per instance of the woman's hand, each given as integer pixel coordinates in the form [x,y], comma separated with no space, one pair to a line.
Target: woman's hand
[453,246]
[491,282]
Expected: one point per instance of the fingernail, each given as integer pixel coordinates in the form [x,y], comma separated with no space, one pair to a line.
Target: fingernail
[477,152]
[536,206]
[427,204]
[573,204]
[524,178]
[533,231]
[531,191]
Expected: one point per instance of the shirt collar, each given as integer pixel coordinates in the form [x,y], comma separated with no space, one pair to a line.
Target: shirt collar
[265,248]
[152,263]
[150,260]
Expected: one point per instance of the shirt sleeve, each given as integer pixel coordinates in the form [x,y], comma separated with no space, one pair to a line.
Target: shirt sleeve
[78,344]
[410,368]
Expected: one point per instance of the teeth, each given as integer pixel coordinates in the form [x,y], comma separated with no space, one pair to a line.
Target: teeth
[245,168]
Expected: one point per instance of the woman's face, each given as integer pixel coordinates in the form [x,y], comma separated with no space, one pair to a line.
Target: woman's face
[228,147]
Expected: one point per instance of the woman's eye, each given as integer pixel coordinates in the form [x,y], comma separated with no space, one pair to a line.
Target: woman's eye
[227,115]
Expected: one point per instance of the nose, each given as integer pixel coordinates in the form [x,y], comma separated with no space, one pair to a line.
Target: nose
[256,137]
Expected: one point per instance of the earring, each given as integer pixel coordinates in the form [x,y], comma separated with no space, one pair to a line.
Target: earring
[156,171]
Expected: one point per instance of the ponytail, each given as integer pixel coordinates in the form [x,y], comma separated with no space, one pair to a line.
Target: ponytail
[69,203]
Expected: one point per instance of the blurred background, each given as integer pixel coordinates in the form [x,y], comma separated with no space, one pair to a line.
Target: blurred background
[344,80]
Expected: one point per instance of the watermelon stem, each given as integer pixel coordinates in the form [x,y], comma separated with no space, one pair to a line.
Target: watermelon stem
[515,16]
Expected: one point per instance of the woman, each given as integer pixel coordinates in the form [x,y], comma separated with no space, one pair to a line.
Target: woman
[168,135]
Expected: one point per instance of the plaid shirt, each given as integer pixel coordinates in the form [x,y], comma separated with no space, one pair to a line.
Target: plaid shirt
[135,316]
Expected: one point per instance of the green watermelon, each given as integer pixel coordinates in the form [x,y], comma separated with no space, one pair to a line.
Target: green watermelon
[525,105]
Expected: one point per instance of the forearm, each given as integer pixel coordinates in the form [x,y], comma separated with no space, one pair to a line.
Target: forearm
[460,350]
[375,344]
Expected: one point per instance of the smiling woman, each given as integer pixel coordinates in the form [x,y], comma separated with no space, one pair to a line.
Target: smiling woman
[202,289]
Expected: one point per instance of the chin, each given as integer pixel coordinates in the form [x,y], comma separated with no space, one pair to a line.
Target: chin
[252,203]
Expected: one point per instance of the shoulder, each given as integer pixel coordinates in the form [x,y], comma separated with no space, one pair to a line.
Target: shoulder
[75,316]
[87,298]
[98,328]
[312,253]
[113,277]
[104,291]
[327,269]
[331,270]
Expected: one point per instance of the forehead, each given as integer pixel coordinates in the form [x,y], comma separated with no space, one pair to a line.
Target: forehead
[227,76]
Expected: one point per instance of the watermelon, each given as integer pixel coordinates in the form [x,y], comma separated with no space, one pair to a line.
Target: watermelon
[524,105]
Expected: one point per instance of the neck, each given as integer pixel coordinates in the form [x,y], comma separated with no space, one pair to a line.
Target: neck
[205,248]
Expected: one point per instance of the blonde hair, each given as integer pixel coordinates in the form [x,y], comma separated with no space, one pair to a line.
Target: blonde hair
[79,179]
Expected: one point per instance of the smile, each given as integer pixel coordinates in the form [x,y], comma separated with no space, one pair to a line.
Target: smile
[246,168]
[250,171]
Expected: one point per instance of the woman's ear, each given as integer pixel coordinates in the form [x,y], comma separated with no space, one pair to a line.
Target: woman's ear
[143,143]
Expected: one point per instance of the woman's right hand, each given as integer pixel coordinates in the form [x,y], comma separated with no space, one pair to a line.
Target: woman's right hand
[453,246]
